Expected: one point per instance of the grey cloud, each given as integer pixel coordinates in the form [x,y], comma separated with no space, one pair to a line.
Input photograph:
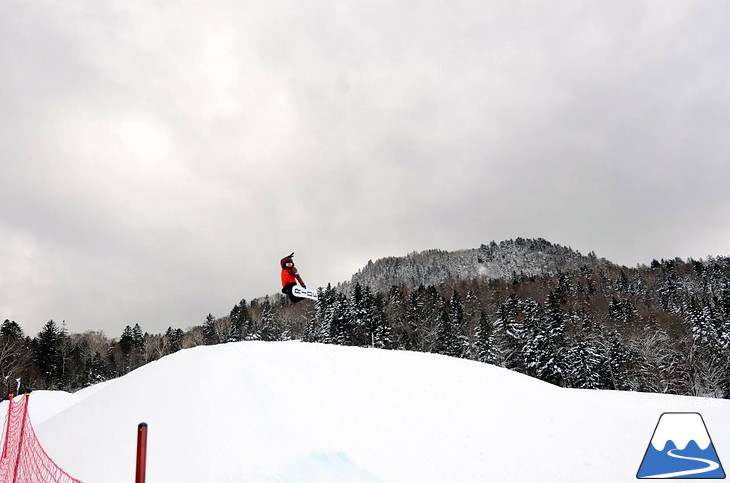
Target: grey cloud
[164,157]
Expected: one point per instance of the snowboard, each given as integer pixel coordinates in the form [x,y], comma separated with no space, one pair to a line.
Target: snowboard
[302,292]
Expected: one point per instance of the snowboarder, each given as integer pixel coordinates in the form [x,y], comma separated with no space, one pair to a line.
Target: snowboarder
[290,277]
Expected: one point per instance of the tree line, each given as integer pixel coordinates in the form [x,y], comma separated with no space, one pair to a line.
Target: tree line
[56,359]
[663,328]
[659,328]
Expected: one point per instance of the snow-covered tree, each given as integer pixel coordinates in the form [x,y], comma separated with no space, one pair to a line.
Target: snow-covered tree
[174,339]
[617,362]
[241,322]
[448,341]
[47,352]
[544,351]
[487,349]
[270,326]
[583,365]
[514,333]
[210,333]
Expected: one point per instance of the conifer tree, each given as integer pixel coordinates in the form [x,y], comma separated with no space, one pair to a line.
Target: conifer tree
[617,362]
[583,364]
[382,334]
[126,341]
[11,330]
[47,352]
[511,324]
[704,327]
[137,337]
[131,344]
[241,322]
[486,345]
[337,321]
[447,336]
[318,329]
[174,339]
[87,363]
[395,304]
[458,322]
[358,317]
[376,324]
[210,334]
[472,314]
[409,333]
[544,351]
[270,327]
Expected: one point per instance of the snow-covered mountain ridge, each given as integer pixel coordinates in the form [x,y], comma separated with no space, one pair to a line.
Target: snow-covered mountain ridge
[507,259]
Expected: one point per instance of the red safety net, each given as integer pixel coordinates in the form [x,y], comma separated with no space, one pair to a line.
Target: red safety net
[23,459]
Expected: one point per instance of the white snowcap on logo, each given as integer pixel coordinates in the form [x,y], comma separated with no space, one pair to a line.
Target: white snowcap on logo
[680,428]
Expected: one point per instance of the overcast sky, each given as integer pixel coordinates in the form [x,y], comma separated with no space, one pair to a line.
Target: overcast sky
[159,158]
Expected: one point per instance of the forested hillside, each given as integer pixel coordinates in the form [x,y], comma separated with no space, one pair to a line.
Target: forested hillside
[507,260]
[527,305]
[570,320]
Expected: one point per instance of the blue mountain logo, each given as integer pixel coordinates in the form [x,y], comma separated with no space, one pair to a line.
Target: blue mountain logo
[681,448]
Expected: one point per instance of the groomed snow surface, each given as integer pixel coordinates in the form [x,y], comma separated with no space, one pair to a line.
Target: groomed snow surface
[292,411]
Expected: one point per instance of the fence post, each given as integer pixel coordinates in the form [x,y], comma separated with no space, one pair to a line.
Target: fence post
[141,452]
[20,442]
[7,429]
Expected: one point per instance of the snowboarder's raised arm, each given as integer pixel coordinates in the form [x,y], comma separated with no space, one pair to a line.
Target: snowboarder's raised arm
[288,258]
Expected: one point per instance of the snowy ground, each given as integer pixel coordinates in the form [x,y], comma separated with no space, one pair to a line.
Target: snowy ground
[290,411]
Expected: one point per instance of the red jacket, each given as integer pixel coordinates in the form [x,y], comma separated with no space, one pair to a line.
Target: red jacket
[289,274]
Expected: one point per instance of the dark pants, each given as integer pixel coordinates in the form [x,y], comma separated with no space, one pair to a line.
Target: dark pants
[287,290]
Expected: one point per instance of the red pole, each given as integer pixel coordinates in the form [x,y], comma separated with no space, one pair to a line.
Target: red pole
[141,452]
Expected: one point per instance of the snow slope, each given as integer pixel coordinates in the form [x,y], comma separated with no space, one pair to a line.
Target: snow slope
[291,411]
